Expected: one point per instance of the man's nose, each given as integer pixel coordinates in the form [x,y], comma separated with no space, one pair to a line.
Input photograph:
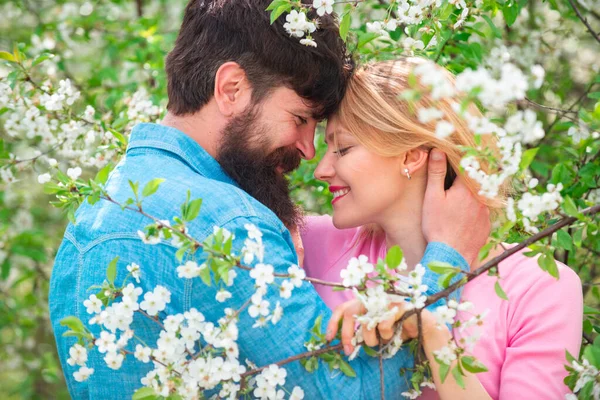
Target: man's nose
[306,143]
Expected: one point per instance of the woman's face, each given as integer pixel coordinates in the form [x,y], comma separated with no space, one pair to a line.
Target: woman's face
[365,185]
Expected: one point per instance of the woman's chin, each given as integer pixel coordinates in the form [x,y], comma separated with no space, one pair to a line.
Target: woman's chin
[344,223]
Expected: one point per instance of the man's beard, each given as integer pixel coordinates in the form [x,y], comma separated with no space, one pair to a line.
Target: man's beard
[244,156]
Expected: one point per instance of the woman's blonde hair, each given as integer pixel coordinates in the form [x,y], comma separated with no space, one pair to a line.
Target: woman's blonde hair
[375,113]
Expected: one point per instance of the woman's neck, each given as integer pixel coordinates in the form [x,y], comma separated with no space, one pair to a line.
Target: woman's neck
[402,227]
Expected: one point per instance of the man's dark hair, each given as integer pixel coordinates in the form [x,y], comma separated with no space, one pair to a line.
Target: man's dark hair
[217,31]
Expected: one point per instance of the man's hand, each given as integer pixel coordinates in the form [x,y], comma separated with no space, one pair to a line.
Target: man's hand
[454,216]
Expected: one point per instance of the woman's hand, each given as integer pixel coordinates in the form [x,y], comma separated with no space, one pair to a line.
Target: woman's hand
[350,309]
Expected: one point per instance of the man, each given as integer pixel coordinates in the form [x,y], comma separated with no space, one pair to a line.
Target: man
[244,101]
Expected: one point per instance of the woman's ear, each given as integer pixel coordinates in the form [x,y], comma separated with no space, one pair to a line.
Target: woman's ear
[232,89]
[414,161]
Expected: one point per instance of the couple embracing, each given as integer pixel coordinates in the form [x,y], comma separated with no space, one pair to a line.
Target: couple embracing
[244,102]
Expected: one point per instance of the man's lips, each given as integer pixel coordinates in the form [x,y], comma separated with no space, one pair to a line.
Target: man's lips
[338,192]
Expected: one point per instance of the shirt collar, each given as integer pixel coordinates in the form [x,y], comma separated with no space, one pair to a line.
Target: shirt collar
[174,141]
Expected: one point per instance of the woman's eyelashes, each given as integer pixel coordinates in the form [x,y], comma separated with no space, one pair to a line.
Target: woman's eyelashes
[342,151]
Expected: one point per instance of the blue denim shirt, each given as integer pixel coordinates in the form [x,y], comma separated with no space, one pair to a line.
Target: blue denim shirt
[104,231]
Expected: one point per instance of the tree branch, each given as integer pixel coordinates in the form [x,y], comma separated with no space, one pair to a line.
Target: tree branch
[584,20]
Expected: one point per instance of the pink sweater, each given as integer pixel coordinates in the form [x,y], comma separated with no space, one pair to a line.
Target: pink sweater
[523,340]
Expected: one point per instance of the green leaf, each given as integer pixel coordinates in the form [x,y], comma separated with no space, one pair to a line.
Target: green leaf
[393,258]
[111,271]
[497,33]
[152,186]
[275,4]
[458,376]
[102,175]
[366,38]
[345,25]
[440,267]
[347,369]
[193,209]
[444,280]
[145,393]
[564,240]
[205,276]
[499,291]
[510,12]
[280,10]
[5,55]
[594,95]
[570,207]
[370,352]
[527,158]
[444,369]
[41,58]
[73,323]
[473,365]
[122,139]
[548,264]
[134,187]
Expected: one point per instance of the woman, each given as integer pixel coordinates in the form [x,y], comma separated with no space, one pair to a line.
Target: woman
[376,168]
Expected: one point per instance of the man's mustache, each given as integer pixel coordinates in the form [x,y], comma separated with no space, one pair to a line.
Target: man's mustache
[287,159]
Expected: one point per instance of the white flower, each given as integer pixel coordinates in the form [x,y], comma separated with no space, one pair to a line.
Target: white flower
[411,44]
[148,239]
[253,232]
[114,360]
[411,394]
[52,162]
[427,115]
[446,354]
[260,308]
[262,274]
[222,295]
[323,6]
[443,129]
[74,173]
[285,290]
[44,178]
[142,353]
[93,305]
[152,303]
[83,374]
[538,73]
[78,355]
[376,27]
[297,275]
[106,342]
[297,393]
[189,270]
[277,313]
[297,25]
[444,315]
[134,270]
[308,42]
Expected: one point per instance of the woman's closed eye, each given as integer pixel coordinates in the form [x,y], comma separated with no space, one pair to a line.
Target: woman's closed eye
[342,151]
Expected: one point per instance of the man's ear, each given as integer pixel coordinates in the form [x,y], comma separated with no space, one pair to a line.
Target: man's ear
[232,89]
[415,160]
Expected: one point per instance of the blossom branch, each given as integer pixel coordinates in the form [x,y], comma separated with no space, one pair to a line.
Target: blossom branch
[584,20]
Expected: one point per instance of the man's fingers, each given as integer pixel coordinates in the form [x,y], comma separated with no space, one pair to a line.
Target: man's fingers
[436,173]
[348,333]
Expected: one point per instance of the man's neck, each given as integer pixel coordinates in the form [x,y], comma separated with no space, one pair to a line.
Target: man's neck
[203,126]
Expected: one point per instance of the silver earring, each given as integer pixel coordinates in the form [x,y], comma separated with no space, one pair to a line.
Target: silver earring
[407,174]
